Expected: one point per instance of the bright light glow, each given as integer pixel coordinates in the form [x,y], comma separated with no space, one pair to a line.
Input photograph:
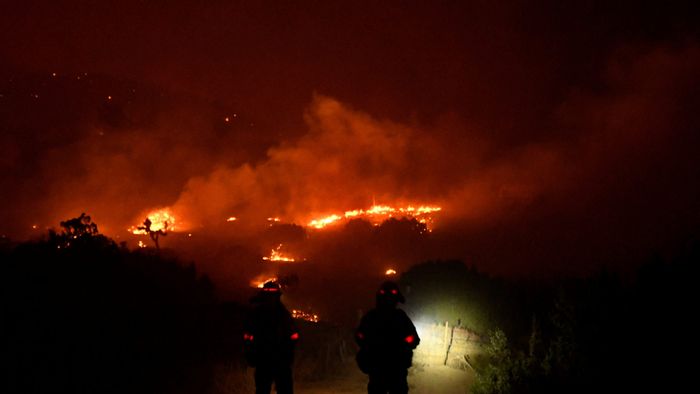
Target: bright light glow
[390,272]
[232,219]
[323,222]
[161,219]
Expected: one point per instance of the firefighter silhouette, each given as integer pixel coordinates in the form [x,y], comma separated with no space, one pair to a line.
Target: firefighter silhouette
[269,338]
[386,337]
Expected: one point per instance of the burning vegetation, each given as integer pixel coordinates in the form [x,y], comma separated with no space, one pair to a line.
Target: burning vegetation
[157,224]
[277,255]
[379,213]
[259,283]
[161,219]
[164,220]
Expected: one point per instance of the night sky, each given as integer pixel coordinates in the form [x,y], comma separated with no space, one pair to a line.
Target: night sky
[557,136]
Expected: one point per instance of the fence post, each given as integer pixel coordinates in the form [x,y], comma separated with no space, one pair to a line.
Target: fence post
[447,345]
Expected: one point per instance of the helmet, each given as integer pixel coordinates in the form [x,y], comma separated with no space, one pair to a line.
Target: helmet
[271,287]
[389,291]
[268,292]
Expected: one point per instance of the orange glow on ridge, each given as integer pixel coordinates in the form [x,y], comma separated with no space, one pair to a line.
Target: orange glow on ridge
[259,283]
[380,213]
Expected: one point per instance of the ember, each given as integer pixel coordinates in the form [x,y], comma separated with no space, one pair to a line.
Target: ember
[303,315]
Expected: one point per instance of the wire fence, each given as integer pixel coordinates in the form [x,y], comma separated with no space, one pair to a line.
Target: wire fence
[443,344]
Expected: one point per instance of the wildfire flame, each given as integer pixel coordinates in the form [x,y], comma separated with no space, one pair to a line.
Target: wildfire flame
[277,255]
[299,314]
[161,219]
[379,213]
[260,283]
[323,222]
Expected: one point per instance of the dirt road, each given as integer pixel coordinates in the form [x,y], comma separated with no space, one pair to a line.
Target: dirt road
[421,380]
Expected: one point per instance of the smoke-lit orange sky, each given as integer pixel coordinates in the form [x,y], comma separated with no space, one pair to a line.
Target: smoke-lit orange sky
[557,136]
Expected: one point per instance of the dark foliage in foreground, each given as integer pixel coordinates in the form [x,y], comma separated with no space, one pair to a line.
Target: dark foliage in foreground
[82,314]
[439,291]
[604,333]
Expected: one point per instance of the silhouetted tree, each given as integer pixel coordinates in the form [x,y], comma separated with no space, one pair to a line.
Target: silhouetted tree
[80,226]
[154,234]
[80,230]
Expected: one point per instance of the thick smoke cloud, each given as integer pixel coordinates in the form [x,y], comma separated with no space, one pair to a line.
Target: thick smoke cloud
[345,161]
[618,169]
[349,160]
[554,137]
